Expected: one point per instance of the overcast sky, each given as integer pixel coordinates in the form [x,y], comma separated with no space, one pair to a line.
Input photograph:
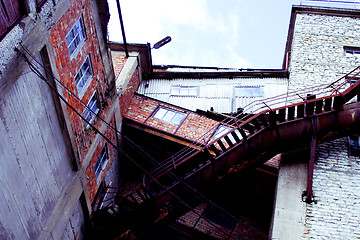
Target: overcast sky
[210,33]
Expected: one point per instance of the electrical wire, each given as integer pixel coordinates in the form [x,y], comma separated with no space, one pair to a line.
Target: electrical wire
[39,74]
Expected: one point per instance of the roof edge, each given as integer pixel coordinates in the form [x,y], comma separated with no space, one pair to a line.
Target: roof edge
[245,73]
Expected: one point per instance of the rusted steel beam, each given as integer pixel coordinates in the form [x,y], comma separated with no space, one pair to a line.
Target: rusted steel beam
[309,191]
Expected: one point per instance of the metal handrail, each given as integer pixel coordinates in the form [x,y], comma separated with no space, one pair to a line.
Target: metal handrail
[258,107]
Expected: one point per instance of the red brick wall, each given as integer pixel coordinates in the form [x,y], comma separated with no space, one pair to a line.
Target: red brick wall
[118,61]
[193,127]
[129,91]
[67,69]
[92,182]
[196,126]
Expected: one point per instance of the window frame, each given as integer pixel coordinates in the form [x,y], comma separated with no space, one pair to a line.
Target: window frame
[9,15]
[81,90]
[168,117]
[101,162]
[260,94]
[184,91]
[351,51]
[78,25]
[89,110]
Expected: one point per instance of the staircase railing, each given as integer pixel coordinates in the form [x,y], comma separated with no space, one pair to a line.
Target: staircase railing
[261,114]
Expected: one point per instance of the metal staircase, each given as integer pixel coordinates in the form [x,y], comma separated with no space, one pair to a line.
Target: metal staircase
[274,119]
[264,129]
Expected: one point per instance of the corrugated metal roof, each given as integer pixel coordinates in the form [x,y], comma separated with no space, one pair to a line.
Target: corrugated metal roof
[216,93]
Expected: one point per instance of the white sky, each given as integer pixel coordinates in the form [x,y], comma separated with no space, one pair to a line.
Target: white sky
[209,33]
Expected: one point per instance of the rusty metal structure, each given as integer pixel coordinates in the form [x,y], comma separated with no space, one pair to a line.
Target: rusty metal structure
[280,124]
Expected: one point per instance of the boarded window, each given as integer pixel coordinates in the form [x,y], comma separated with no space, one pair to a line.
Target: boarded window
[184,91]
[10,12]
[248,91]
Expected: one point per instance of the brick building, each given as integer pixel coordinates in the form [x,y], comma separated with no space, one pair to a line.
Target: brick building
[74,132]
[61,106]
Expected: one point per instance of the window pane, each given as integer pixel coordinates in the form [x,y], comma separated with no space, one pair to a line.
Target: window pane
[175,90]
[168,116]
[248,92]
[160,113]
[221,131]
[75,36]
[184,91]
[193,91]
[178,118]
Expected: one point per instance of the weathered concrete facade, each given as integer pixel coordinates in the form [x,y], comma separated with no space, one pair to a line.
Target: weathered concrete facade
[316,45]
[49,155]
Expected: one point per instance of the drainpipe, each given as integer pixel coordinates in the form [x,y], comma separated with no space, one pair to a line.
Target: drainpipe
[122,28]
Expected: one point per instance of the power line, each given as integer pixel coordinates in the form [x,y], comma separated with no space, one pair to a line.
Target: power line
[39,74]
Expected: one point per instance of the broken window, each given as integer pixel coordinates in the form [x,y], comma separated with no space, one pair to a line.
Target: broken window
[101,162]
[75,37]
[248,91]
[10,12]
[84,76]
[354,145]
[352,51]
[169,115]
[184,91]
[91,110]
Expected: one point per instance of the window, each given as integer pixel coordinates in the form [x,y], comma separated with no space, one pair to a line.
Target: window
[75,37]
[354,145]
[101,162]
[10,12]
[170,116]
[184,91]
[352,51]
[222,130]
[248,91]
[91,110]
[83,76]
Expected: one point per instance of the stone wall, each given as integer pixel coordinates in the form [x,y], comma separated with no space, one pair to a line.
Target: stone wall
[336,186]
[317,57]
[317,52]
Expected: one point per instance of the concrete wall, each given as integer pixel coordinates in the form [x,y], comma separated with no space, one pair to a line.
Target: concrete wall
[35,163]
[45,188]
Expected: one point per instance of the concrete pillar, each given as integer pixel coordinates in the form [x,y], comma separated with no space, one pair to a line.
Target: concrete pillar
[289,213]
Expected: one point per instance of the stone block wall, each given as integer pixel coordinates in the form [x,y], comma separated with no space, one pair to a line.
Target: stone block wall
[336,186]
[317,52]
[317,57]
